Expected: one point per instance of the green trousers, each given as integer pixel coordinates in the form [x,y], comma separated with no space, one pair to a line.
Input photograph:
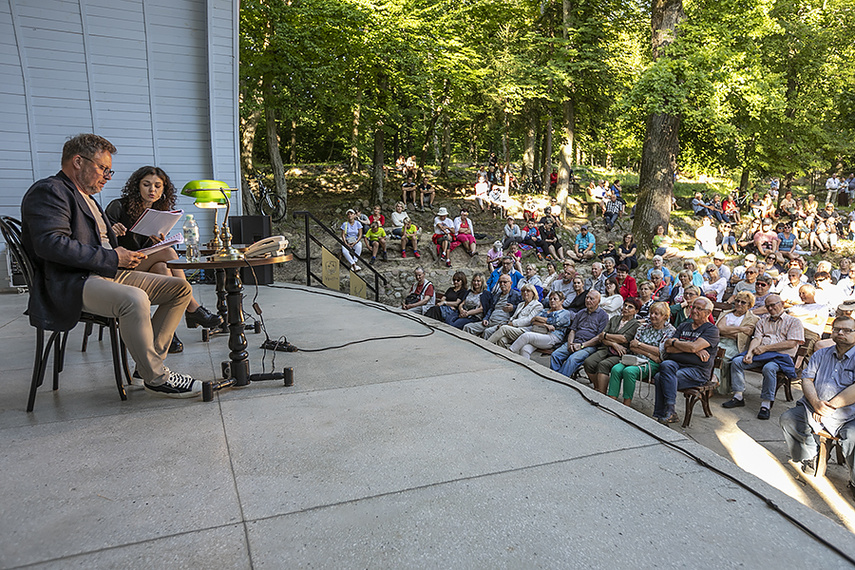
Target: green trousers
[630,375]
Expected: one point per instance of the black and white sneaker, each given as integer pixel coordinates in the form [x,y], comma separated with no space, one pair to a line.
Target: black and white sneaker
[176,386]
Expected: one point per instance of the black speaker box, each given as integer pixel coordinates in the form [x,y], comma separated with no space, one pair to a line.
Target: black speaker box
[247,230]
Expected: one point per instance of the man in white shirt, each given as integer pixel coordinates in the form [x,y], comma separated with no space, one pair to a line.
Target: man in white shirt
[739,271]
[832,185]
[723,270]
[812,314]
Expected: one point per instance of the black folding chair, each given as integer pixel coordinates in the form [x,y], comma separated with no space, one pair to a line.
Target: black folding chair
[11,229]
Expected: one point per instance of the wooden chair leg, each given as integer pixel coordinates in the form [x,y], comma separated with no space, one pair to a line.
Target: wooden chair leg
[117,368]
[821,458]
[840,459]
[691,400]
[705,402]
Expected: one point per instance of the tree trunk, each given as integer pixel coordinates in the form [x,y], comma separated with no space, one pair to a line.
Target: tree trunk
[661,141]
[396,142]
[530,142]
[428,135]
[565,153]
[354,137]
[565,164]
[378,167]
[249,127]
[446,146]
[293,157]
[743,179]
[506,153]
[788,182]
[273,143]
[547,155]
[377,178]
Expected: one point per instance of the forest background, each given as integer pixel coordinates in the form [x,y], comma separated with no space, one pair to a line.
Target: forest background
[743,89]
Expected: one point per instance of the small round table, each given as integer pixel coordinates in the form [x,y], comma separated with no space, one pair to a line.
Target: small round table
[236,370]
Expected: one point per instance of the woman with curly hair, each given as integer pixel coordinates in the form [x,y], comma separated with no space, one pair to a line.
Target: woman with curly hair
[150,187]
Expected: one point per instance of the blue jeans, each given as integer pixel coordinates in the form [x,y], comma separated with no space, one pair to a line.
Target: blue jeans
[770,377]
[674,376]
[566,362]
[611,218]
[802,442]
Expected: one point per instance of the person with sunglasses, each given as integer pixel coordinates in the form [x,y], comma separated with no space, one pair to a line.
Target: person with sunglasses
[777,337]
[715,284]
[763,288]
[747,284]
[735,327]
[828,402]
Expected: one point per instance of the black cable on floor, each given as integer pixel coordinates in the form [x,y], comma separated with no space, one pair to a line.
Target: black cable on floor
[578,389]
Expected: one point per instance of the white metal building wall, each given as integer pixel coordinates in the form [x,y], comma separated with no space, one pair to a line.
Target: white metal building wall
[158,78]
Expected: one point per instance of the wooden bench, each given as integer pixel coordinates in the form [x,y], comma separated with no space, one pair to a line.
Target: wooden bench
[702,393]
[826,443]
[785,381]
[826,332]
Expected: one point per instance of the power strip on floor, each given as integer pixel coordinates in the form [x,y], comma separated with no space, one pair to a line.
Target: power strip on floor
[281,346]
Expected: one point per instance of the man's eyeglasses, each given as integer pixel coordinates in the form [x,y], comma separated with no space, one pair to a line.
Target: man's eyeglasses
[842,330]
[770,305]
[105,170]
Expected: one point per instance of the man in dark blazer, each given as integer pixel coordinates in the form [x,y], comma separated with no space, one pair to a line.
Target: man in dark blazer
[80,267]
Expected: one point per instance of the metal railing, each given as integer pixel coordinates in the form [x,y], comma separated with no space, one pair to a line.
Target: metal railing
[307,216]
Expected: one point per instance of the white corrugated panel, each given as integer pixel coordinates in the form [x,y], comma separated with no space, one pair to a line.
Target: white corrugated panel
[133,71]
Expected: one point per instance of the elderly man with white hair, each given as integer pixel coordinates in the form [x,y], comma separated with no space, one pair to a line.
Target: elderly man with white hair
[777,337]
[658,264]
[597,280]
[689,359]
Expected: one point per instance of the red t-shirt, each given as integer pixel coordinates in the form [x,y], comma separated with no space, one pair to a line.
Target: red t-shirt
[382,219]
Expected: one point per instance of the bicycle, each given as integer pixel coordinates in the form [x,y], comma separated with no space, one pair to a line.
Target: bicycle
[267,201]
[531,185]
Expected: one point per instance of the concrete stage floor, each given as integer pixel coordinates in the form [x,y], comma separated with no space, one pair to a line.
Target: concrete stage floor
[413,452]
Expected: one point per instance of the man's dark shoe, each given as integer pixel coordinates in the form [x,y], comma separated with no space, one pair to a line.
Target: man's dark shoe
[809,466]
[202,317]
[673,418]
[734,403]
[763,414]
[176,345]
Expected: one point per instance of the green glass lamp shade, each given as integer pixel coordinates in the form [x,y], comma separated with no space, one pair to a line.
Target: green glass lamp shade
[208,193]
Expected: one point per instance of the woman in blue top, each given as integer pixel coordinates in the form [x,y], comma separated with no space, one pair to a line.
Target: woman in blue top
[548,328]
[788,244]
[351,234]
